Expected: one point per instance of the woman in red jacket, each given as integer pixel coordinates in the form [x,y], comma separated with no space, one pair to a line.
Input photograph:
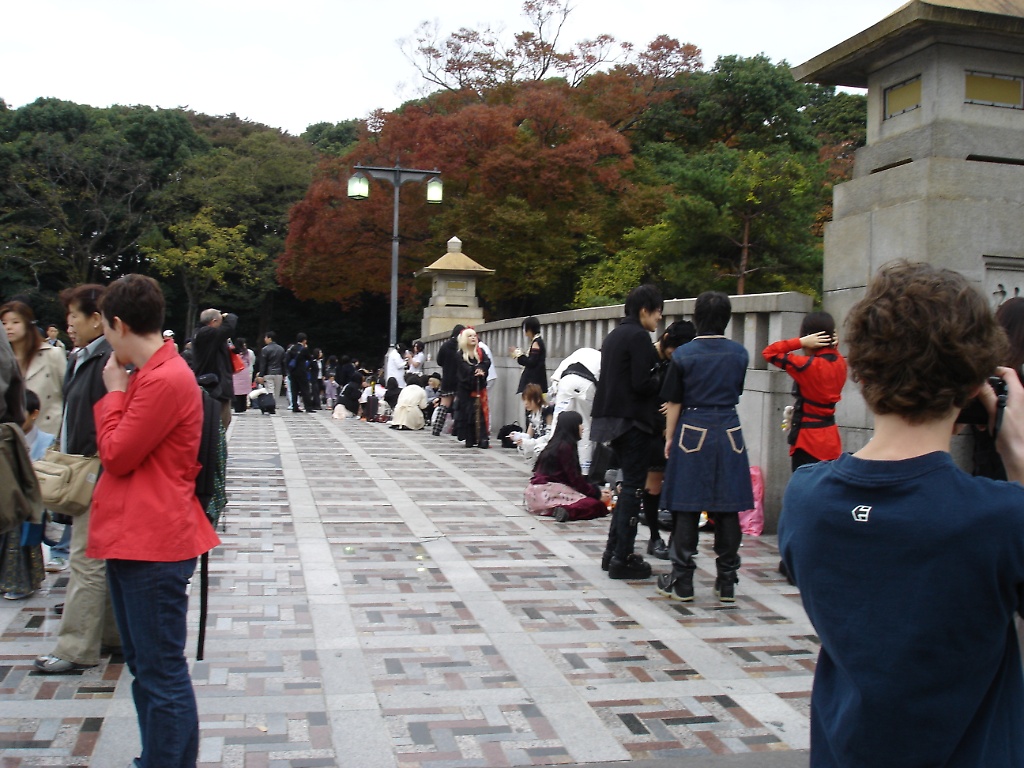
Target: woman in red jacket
[146,520]
[818,374]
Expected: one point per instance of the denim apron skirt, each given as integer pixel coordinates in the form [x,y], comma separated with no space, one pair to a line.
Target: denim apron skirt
[708,469]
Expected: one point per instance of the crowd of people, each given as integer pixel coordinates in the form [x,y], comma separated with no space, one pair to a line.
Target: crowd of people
[124,394]
[867,537]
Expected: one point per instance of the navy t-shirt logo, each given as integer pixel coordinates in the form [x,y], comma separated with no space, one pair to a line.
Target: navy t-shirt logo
[860,513]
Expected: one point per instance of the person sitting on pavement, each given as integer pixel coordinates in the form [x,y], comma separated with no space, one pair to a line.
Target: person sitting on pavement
[558,487]
[910,569]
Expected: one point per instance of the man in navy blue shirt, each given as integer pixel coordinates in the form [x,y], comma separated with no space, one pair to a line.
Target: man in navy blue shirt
[910,569]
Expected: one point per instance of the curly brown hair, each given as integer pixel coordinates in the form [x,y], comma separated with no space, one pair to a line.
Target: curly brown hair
[921,341]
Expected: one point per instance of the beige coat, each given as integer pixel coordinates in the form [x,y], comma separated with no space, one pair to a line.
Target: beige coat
[46,379]
[409,409]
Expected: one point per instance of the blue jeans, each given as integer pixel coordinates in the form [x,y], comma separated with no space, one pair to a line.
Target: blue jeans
[63,547]
[150,603]
[633,449]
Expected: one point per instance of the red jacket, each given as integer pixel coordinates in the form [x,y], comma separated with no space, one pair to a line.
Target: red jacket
[145,505]
[821,377]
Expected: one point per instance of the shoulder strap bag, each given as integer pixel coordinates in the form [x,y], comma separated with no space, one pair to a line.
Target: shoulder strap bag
[67,481]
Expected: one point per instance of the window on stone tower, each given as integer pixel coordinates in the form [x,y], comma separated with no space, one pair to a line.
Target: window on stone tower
[902,97]
[993,90]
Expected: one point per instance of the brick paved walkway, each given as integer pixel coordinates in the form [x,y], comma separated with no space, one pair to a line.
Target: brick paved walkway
[382,600]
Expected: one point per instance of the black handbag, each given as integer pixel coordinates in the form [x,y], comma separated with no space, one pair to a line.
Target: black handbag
[505,431]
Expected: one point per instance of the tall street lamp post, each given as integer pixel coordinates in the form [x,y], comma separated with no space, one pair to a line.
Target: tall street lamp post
[359,189]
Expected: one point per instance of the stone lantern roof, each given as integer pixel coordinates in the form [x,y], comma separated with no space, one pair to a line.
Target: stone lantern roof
[913,26]
[455,261]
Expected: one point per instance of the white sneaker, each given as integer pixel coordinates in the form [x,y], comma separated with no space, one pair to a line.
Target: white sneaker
[56,565]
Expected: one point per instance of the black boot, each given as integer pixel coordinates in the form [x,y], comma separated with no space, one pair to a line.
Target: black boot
[727,547]
[655,547]
[676,586]
[684,541]
[633,567]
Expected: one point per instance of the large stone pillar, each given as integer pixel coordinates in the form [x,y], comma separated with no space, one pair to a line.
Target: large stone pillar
[941,178]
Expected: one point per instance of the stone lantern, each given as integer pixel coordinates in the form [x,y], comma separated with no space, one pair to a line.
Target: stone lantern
[941,178]
[453,298]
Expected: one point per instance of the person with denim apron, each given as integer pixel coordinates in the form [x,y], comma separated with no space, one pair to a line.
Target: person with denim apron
[708,468]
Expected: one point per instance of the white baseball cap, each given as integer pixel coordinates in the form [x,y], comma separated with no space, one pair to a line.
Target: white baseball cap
[168,334]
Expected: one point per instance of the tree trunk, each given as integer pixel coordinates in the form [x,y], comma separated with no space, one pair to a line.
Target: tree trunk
[741,282]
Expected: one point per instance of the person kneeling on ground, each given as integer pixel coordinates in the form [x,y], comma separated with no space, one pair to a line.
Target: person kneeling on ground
[911,570]
[558,487]
[409,409]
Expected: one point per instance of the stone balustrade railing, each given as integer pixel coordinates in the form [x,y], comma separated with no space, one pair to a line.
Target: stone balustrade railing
[757,320]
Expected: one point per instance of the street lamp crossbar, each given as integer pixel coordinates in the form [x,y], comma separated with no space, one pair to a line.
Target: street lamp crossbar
[396,175]
[399,176]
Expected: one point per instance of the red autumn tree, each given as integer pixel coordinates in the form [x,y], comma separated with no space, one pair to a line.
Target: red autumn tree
[532,186]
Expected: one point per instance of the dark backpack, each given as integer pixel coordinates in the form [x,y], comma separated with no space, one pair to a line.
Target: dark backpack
[209,444]
[504,432]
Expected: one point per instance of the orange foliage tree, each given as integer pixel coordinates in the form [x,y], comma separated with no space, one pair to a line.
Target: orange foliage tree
[533,187]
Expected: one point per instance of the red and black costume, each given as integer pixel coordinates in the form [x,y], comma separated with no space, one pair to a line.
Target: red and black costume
[818,385]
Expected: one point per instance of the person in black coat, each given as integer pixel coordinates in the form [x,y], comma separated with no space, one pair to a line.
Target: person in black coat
[534,360]
[210,347]
[625,407]
[297,361]
[471,403]
[448,359]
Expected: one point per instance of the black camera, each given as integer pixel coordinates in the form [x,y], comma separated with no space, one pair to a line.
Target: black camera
[974,412]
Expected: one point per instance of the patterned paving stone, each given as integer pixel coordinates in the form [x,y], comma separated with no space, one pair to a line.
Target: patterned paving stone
[772,656]
[686,727]
[295,739]
[347,554]
[407,580]
[449,668]
[443,618]
[642,661]
[590,614]
[435,617]
[544,578]
[494,527]
[706,611]
[257,673]
[504,549]
[507,734]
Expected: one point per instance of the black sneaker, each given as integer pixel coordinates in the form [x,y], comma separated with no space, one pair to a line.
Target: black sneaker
[675,589]
[725,591]
[633,567]
[562,515]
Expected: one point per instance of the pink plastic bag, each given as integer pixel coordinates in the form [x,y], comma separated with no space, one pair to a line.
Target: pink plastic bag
[752,520]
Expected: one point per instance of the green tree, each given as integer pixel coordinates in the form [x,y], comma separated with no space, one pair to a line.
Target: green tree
[746,103]
[333,138]
[250,183]
[203,256]
[74,198]
[738,220]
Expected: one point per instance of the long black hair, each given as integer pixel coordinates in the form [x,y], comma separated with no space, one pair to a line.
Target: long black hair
[567,431]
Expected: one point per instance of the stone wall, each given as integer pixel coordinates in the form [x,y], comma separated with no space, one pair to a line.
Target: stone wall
[757,321]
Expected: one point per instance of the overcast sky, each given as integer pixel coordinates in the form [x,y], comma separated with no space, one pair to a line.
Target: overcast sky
[294,63]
